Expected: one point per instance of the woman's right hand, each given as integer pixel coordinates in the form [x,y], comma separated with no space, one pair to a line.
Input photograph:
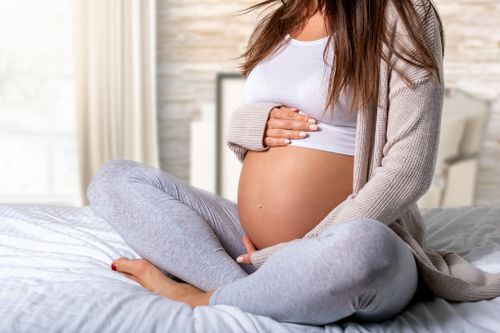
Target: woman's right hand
[286,123]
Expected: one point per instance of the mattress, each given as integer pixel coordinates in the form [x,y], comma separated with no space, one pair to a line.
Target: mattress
[55,277]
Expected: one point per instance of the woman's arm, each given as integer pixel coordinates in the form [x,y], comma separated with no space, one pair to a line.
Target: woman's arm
[407,167]
[246,130]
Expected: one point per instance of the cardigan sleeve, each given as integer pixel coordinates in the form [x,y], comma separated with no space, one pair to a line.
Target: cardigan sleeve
[246,130]
[409,155]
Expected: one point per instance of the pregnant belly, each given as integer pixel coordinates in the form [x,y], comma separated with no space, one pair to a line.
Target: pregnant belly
[285,192]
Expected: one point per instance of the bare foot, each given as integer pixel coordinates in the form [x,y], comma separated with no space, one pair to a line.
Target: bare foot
[151,278]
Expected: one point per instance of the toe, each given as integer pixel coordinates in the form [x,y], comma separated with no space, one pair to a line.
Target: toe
[137,267]
[116,264]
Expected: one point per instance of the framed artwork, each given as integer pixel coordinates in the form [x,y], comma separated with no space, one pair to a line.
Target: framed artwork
[229,96]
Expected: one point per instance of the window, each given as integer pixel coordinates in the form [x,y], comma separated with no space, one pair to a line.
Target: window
[38,147]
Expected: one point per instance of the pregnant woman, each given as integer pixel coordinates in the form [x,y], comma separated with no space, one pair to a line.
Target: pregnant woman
[338,136]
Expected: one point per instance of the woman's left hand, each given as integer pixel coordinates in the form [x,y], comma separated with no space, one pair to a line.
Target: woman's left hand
[246,258]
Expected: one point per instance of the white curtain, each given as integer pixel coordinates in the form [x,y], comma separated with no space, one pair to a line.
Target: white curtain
[115,57]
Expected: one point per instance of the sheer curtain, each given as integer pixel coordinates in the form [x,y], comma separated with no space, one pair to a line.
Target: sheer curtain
[115,57]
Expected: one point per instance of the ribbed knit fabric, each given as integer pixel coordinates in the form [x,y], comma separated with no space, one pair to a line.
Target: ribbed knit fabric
[394,162]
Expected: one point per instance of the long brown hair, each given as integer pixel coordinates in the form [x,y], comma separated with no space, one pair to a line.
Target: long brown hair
[361,27]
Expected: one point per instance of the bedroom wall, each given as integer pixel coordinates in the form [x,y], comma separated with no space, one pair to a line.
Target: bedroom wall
[196,39]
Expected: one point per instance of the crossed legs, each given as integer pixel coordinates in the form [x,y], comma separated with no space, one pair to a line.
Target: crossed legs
[359,267]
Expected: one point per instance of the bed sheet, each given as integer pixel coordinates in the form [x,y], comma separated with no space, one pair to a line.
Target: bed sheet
[55,277]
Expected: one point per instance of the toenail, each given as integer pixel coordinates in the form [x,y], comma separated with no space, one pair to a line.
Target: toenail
[113,267]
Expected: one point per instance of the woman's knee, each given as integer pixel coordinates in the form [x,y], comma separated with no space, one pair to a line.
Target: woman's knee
[387,292]
[387,269]
[374,252]
[375,270]
[110,176]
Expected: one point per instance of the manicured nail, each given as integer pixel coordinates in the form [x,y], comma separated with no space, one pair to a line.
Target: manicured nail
[313,127]
[312,121]
[293,109]
[239,259]
[302,133]
[286,140]
[113,267]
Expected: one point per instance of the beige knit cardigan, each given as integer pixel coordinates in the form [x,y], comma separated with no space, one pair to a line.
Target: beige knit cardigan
[394,161]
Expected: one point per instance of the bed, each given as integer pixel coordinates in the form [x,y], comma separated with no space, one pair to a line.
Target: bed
[55,277]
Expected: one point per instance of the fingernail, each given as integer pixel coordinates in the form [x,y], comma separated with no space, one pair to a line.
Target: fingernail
[287,141]
[302,133]
[293,109]
[239,259]
[312,121]
[313,127]
[113,267]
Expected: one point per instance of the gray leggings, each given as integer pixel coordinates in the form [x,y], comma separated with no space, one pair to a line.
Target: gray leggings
[358,268]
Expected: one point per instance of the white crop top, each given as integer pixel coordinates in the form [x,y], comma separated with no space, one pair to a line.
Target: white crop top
[296,76]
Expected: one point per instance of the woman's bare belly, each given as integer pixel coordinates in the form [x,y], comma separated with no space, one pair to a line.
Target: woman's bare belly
[285,192]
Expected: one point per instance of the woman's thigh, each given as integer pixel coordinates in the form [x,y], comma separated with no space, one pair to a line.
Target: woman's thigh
[359,267]
[161,214]
[219,213]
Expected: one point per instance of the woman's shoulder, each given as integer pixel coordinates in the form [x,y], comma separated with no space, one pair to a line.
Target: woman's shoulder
[408,22]
[422,17]
[424,10]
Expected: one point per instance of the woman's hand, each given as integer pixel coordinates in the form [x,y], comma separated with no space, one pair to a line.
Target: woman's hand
[247,258]
[286,123]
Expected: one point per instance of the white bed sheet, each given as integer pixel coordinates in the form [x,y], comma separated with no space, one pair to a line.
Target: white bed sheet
[55,277]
